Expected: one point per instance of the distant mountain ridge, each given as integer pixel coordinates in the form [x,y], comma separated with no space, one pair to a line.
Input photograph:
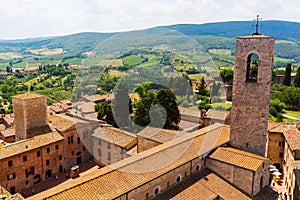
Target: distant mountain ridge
[275,28]
[213,37]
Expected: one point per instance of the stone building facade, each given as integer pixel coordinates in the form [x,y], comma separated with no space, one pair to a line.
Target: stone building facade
[276,144]
[28,162]
[111,145]
[251,93]
[30,111]
[292,162]
[247,171]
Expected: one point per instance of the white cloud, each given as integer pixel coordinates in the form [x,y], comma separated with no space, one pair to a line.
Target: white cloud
[31,18]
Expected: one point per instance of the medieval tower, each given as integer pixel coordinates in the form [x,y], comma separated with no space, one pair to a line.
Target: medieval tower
[251,93]
[30,111]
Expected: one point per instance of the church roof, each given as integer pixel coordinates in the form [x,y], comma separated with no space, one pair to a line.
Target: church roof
[121,177]
[28,95]
[29,144]
[238,158]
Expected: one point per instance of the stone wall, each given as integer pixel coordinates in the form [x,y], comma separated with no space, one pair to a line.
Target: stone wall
[276,148]
[107,153]
[247,180]
[165,181]
[250,103]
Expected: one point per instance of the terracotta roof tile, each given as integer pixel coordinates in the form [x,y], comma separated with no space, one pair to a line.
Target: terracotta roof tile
[222,188]
[29,144]
[116,136]
[130,173]
[238,158]
[158,134]
[63,122]
[8,132]
[292,136]
[195,192]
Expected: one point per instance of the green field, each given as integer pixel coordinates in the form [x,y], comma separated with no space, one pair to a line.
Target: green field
[195,76]
[295,114]
[133,60]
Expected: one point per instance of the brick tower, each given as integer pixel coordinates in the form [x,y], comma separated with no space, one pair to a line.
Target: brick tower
[251,93]
[30,111]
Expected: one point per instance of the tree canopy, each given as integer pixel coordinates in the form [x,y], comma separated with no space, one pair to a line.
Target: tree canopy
[166,100]
[227,75]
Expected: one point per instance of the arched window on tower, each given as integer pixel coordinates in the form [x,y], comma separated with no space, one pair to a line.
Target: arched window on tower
[252,67]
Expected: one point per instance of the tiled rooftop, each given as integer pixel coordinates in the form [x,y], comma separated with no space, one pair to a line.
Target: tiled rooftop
[276,127]
[238,158]
[63,122]
[8,132]
[116,136]
[28,95]
[292,136]
[29,144]
[205,187]
[130,173]
[158,134]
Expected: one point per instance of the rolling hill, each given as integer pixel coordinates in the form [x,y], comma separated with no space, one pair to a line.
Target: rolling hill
[216,38]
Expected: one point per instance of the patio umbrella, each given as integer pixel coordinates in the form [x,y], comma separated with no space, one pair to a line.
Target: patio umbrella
[276,173]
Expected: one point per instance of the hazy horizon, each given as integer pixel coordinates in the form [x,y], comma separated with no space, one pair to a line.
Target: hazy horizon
[30,19]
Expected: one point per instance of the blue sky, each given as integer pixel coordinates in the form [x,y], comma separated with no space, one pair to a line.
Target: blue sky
[32,18]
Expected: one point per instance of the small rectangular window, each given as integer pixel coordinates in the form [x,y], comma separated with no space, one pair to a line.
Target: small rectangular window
[56,147]
[10,163]
[99,152]
[108,156]
[108,145]
[24,158]
[70,140]
[47,162]
[99,141]
[60,157]
[78,140]
[11,176]
[48,150]
[38,154]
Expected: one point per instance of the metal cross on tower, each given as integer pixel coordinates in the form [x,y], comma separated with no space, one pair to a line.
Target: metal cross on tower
[257,25]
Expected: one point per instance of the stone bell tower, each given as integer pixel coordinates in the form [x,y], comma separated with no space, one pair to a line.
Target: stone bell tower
[251,93]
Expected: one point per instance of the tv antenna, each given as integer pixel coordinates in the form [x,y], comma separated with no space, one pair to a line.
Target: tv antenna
[257,25]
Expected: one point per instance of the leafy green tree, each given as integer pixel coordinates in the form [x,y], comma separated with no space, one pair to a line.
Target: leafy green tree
[297,78]
[291,97]
[141,115]
[227,75]
[204,105]
[287,75]
[142,89]
[202,91]
[167,99]
[101,108]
